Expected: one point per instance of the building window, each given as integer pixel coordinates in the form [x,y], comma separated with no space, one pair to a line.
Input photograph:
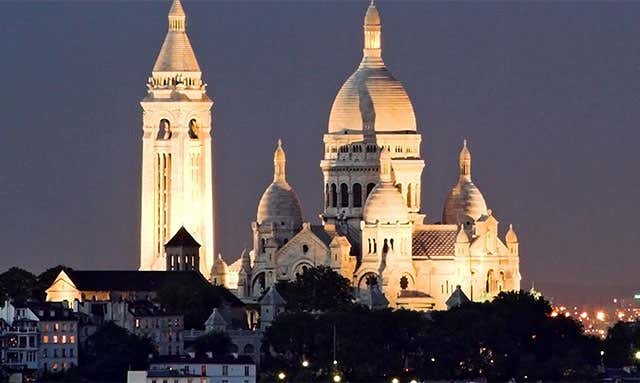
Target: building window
[45,339]
[72,339]
[44,353]
[370,187]
[55,339]
[344,195]
[70,353]
[305,249]
[56,326]
[334,196]
[54,367]
[357,195]
[137,323]
[225,370]
[246,370]
[64,339]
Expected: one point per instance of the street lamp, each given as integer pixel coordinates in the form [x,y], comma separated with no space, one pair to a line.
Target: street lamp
[637,355]
[281,375]
[395,380]
[305,363]
[337,378]
[413,381]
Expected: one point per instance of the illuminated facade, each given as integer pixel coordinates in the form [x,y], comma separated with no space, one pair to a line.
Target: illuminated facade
[372,230]
[176,151]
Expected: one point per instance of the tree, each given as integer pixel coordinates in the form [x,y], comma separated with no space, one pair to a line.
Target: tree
[17,284]
[317,288]
[217,343]
[194,300]
[111,351]
[621,344]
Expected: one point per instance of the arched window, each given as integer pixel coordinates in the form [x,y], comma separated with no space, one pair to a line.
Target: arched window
[164,130]
[409,191]
[334,196]
[357,195]
[193,129]
[370,187]
[262,245]
[305,249]
[375,246]
[391,243]
[326,196]
[489,282]
[344,195]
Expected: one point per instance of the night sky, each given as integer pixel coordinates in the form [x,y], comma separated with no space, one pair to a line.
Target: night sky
[547,93]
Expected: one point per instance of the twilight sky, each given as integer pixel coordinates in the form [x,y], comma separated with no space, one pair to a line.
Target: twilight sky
[547,93]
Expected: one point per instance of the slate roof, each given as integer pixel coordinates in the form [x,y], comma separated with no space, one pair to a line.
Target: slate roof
[186,359]
[49,311]
[130,280]
[325,236]
[145,308]
[272,297]
[176,54]
[434,242]
[182,238]
[457,298]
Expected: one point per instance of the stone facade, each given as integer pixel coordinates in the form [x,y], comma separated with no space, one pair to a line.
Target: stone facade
[372,228]
[176,151]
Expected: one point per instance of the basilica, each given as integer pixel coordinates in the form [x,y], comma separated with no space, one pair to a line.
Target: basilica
[371,230]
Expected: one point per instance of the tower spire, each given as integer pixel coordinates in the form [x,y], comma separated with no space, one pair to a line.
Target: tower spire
[465,161]
[372,52]
[279,162]
[177,17]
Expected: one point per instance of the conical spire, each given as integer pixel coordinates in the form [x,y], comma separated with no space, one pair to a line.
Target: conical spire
[176,54]
[465,161]
[372,52]
[279,162]
[462,236]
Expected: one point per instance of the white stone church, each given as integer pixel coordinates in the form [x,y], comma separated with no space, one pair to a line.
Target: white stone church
[371,231]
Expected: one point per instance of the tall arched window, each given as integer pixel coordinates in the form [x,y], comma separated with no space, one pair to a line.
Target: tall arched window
[326,196]
[489,282]
[262,245]
[370,187]
[409,191]
[344,195]
[193,129]
[164,130]
[357,195]
[334,196]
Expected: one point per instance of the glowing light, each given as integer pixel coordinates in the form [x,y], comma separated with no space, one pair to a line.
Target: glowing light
[281,375]
[433,359]
[395,380]
[337,378]
[600,316]
[584,315]
[554,314]
[637,355]
[305,363]
[413,381]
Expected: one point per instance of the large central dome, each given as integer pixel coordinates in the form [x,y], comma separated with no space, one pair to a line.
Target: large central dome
[371,98]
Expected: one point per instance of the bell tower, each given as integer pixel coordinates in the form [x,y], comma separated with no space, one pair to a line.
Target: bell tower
[176,151]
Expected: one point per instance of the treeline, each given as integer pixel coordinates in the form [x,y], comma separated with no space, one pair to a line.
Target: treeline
[512,337]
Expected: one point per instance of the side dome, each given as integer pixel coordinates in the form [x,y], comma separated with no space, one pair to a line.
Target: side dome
[279,203]
[371,98]
[464,199]
[385,203]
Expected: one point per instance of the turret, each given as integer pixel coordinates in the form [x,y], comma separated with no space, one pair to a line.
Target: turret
[512,241]
[182,252]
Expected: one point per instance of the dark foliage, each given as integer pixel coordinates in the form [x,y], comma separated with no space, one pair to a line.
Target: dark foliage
[17,284]
[111,351]
[512,337]
[318,288]
[195,301]
[217,343]
[621,344]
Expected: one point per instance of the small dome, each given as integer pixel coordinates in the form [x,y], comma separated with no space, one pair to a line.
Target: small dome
[279,203]
[511,236]
[385,203]
[371,98]
[465,199]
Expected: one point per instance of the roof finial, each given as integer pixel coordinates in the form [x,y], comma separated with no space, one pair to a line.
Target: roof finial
[279,161]
[465,160]
[177,17]
[372,53]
